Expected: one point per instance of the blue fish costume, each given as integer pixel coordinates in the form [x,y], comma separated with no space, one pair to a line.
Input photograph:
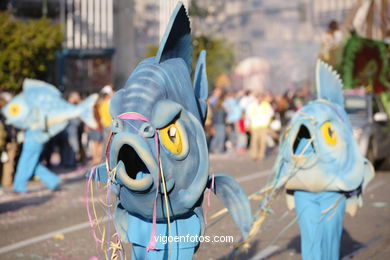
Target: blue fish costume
[322,168]
[157,157]
[41,111]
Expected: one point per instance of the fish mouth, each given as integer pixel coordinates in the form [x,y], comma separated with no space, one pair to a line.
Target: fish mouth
[132,171]
[135,166]
[303,143]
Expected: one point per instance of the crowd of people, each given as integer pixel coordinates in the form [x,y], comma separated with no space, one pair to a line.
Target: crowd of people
[241,120]
[75,146]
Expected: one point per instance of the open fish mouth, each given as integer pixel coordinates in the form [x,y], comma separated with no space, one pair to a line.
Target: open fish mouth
[132,171]
[134,163]
[303,143]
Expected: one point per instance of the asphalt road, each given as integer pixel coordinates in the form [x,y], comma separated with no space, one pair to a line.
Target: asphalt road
[54,225]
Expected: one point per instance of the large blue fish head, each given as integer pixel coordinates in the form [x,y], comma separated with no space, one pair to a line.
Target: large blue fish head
[318,151]
[160,110]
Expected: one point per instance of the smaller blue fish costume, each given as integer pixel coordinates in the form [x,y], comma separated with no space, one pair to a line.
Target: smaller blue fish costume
[43,113]
[322,168]
[157,158]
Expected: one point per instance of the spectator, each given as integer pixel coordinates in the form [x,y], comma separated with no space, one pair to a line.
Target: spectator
[234,111]
[9,150]
[106,94]
[260,116]
[217,144]
[72,148]
[208,124]
[242,138]
[331,44]
[217,93]
[95,136]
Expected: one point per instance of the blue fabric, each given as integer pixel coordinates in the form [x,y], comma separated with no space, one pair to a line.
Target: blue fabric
[139,252]
[139,231]
[320,233]
[29,165]
[187,230]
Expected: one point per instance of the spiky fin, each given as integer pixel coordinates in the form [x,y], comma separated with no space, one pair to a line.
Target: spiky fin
[34,85]
[201,84]
[177,40]
[329,85]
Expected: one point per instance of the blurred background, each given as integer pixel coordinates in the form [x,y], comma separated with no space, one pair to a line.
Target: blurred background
[257,51]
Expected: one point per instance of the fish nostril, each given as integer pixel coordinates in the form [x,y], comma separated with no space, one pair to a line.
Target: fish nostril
[117,125]
[147,130]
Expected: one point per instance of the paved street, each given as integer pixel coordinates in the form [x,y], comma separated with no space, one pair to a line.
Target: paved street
[53,225]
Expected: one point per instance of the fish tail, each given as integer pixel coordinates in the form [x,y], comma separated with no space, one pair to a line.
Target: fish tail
[86,108]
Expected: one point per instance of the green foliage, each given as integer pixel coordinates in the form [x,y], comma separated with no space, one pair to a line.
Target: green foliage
[26,48]
[219,59]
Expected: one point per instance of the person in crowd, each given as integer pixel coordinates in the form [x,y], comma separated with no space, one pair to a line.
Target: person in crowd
[242,138]
[331,44]
[246,102]
[106,94]
[8,146]
[260,116]
[234,111]
[217,93]
[71,145]
[217,144]
[95,136]
[282,105]
[208,124]
[3,138]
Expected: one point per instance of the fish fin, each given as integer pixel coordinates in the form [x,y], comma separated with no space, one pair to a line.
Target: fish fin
[116,101]
[177,41]
[121,222]
[39,85]
[329,85]
[201,86]
[99,172]
[87,111]
[235,200]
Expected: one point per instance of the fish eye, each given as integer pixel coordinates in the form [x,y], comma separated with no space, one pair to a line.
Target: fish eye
[172,139]
[328,133]
[14,109]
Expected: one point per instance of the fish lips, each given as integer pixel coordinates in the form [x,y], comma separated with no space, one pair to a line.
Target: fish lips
[135,165]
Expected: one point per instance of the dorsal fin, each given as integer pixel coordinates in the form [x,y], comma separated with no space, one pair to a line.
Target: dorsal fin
[35,85]
[201,84]
[177,41]
[329,85]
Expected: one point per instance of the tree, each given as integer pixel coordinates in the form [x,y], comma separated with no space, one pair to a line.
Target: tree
[26,48]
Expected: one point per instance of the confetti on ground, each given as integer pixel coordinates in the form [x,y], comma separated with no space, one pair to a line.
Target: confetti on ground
[59,236]
[379,204]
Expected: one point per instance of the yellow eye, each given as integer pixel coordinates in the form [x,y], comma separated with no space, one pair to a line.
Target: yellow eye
[329,133]
[14,109]
[172,138]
